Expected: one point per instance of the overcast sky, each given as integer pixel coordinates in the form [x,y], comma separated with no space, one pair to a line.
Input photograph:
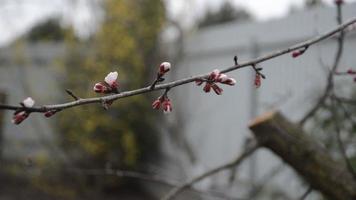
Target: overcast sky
[17,16]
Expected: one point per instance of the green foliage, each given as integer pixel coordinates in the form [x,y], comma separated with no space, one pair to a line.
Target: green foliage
[226,13]
[125,135]
[47,30]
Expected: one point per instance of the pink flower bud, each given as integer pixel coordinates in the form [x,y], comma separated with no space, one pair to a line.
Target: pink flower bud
[111,79]
[339,2]
[156,104]
[102,87]
[207,87]
[50,113]
[19,117]
[258,80]
[296,54]
[350,71]
[217,89]
[221,78]
[214,75]
[164,68]
[167,106]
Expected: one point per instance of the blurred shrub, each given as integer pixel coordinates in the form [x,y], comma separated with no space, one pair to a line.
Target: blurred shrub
[127,42]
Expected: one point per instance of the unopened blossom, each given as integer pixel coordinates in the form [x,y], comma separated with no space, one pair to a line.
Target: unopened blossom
[156,104]
[50,113]
[163,101]
[28,102]
[109,85]
[257,80]
[223,78]
[296,54]
[102,87]
[338,2]
[351,71]
[19,117]
[218,90]
[167,105]
[214,75]
[111,79]
[164,68]
[207,87]
[211,82]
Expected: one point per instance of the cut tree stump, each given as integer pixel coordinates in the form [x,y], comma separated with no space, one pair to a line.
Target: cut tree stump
[306,156]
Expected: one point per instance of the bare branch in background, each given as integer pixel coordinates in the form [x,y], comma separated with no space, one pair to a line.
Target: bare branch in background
[246,153]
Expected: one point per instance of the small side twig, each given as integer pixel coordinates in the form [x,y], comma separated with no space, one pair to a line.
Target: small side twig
[70,93]
[306,193]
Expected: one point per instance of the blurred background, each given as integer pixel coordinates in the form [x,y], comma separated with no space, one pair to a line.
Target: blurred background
[49,46]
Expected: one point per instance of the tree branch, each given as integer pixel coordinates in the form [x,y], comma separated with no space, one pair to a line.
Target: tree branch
[190,79]
[306,156]
[174,192]
[330,80]
[145,177]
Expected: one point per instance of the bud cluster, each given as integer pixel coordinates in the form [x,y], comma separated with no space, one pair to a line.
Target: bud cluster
[163,101]
[22,114]
[212,80]
[109,85]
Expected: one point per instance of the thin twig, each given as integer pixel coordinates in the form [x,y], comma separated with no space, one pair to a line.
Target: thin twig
[146,177]
[72,94]
[183,81]
[306,193]
[341,145]
[247,152]
[330,80]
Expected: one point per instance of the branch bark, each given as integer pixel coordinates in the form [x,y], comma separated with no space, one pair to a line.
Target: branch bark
[305,155]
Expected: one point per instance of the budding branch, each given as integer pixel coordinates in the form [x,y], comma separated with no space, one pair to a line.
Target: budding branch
[190,79]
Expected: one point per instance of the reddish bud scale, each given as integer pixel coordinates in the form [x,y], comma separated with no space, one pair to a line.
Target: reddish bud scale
[217,89]
[296,54]
[50,113]
[19,117]
[156,104]
[351,72]
[198,82]
[207,87]
[338,2]
[167,106]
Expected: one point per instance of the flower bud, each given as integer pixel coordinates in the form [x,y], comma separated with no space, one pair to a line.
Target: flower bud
[19,117]
[167,106]
[28,102]
[164,68]
[111,79]
[207,87]
[218,90]
[156,104]
[102,87]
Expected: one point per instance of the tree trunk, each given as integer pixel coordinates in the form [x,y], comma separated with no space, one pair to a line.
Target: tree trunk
[305,155]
